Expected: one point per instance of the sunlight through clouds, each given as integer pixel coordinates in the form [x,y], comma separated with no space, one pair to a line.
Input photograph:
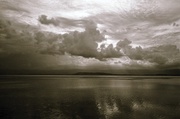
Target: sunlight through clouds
[117,34]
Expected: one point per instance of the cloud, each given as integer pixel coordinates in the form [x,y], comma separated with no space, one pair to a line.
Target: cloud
[161,55]
[17,40]
[14,40]
[44,20]
[109,52]
[75,43]
[141,35]
[31,44]
[61,21]
[123,44]
[10,5]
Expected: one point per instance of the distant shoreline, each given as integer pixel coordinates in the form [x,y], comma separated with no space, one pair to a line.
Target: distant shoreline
[74,75]
[78,72]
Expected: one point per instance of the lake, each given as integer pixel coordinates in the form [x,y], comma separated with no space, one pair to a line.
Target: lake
[89,97]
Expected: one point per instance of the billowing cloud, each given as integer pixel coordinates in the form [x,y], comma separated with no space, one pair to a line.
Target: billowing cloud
[109,52]
[163,54]
[44,20]
[83,44]
[111,35]
[61,21]
[76,43]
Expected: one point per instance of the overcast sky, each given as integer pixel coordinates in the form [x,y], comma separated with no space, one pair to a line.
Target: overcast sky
[89,34]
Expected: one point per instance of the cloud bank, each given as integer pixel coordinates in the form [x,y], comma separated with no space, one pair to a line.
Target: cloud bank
[83,44]
[115,35]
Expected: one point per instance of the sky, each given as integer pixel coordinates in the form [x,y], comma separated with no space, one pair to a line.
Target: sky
[90,35]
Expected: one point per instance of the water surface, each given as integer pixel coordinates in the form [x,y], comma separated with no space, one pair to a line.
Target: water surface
[97,97]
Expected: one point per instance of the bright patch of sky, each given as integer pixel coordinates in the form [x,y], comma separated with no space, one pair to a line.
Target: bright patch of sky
[145,23]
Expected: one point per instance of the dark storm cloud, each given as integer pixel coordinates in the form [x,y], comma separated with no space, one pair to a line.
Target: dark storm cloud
[14,41]
[161,55]
[23,49]
[44,20]
[86,44]
[76,43]
[167,53]
[22,61]
[61,21]
[109,52]
[114,52]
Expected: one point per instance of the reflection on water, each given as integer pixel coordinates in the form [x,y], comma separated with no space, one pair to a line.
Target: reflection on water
[89,98]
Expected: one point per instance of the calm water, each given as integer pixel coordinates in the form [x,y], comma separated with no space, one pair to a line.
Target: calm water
[57,97]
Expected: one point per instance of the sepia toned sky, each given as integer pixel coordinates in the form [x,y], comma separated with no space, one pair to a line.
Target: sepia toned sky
[89,35]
